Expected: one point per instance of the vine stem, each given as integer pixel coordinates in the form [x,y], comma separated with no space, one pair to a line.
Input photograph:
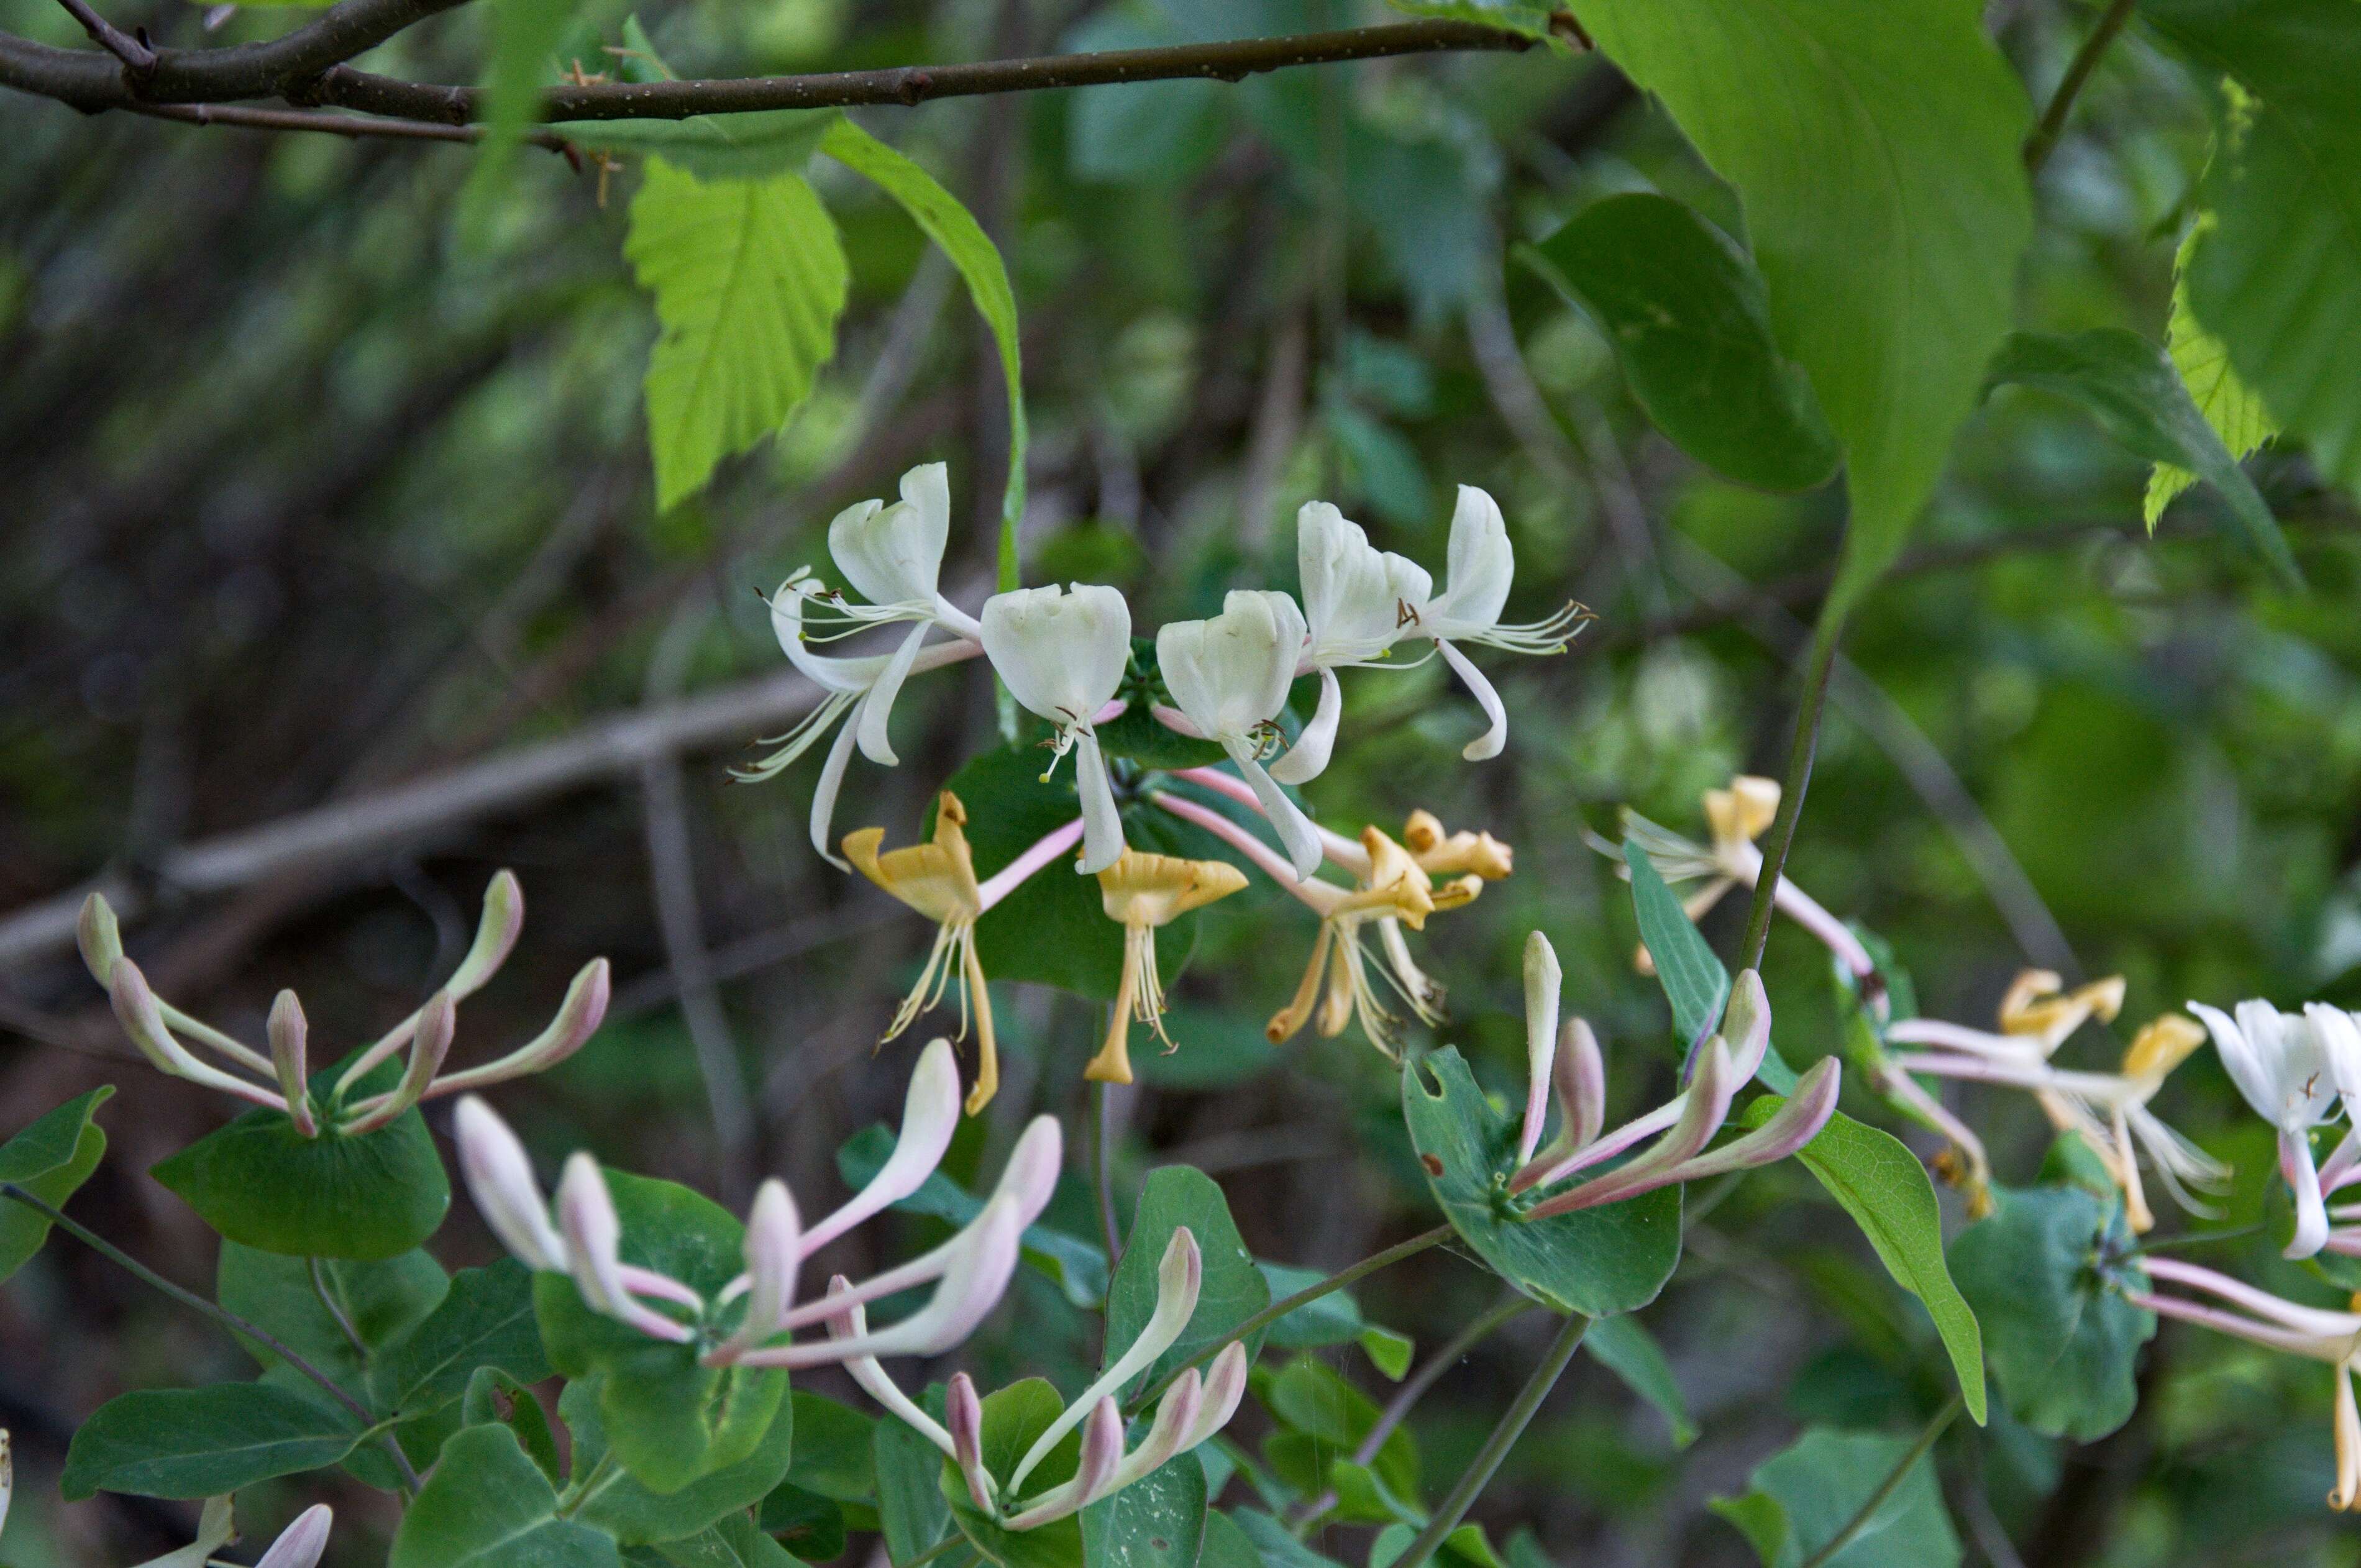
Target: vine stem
[937,1549]
[1826,635]
[218,1313]
[1513,1421]
[2044,140]
[1103,1175]
[1310,1293]
[1886,1489]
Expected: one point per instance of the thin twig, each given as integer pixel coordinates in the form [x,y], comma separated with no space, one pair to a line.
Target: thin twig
[135,54]
[1886,1489]
[328,1300]
[1103,1173]
[1825,638]
[2044,140]
[350,126]
[1513,1421]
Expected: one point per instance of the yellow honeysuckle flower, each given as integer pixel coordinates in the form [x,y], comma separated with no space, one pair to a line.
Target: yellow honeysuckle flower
[1396,892]
[1440,853]
[1143,892]
[937,879]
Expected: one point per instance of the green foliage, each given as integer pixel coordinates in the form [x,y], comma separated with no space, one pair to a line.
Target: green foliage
[1231,1289]
[2229,405]
[832,1449]
[1013,1418]
[1320,1416]
[670,1420]
[1691,322]
[752,146]
[2276,275]
[1613,1258]
[1875,148]
[912,1510]
[1874,1177]
[749,278]
[1631,1352]
[1332,1319]
[733,1542]
[2135,392]
[1078,1267]
[495,1396]
[1693,980]
[201,1442]
[49,1159]
[1807,1492]
[1531,18]
[2046,1275]
[262,1184]
[486,1322]
[488,1505]
[382,1300]
[525,35]
[1158,1521]
[636,1513]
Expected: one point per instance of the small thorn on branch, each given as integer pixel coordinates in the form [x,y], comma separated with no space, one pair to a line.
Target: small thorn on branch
[138,59]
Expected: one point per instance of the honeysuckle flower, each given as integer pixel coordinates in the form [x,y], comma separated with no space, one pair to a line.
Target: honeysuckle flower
[939,881]
[1357,600]
[298,1546]
[1737,817]
[1062,656]
[156,1028]
[1142,893]
[1230,676]
[1481,565]
[1569,1060]
[2277,1061]
[2275,1324]
[2108,1110]
[1192,1410]
[1453,854]
[972,1268]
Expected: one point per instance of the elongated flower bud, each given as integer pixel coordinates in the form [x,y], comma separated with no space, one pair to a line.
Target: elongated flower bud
[1180,1273]
[100,937]
[1746,1024]
[496,936]
[852,1324]
[1176,1417]
[142,1017]
[1581,1083]
[774,1249]
[931,1114]
[1793,1125]
[971,1287]
[301,1543]
[1543,979]
[965,1413]
[586,1215]
[1095,1470]
[288,1032]
[438,1021]
[577,1019]
[1225,1386]
[500,1179]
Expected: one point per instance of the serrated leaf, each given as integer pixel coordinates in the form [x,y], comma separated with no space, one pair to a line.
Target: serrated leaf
[1875,148]
[2236,414]
[1690,320]
[749,278]
[712,148]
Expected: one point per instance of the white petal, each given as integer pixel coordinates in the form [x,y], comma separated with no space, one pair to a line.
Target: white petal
[1295,830]
[1233,672]
[1488,744]
[1061,654]
[824,794]
[1308,758]
[301,1543]
[878,706]
[1481,566]
[2303,1179]
[1102,823]
[499,1178]
[841,676]
[894,554]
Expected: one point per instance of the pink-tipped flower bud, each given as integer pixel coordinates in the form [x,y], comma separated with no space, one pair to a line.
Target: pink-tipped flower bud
[301,1543]
[1580,1078]
[964,1416]
[586,1216]
[773,1250]
[288,1031]
[499,1178]
[931,1114]
[1543,979]
[1031,1177]
[1746,1024]
[438,1022]
[496,936]
[100,937]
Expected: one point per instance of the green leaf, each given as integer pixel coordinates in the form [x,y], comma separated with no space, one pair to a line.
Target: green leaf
[833,1450]
[28,1155]
[382,1300]
[2136,392]
[807,1524]
[1693,980]
[912,1512]
[749,278]
[1387,1351]
[1874,1177]
[1226,1545]
[1013,1417]
[495,1397]
[1231,1290]
[260,1183]
[670,1419]
[1625,1348]
[2277,276]
[1875,150]
[2236,413]
[1815,1486]
[1158,1521]
[1333,1318]
[957,233]
[517,66]
[487,1320]
[2046,1275]
[201,1442]
[1312,1402]
[1528,18]
[732,1541]
[1467,1545]
[712,148]
[1078,1267]
[634,1513]
[488,1505]
[1691,322]
[1598,1262]
[1272,1542]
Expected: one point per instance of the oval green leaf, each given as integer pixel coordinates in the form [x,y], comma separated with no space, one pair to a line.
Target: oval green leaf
[202,1442]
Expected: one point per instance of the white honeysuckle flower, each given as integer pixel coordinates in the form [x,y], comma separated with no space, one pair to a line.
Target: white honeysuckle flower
[2276,1323]
[1357,600]
[1062,655]
[973,1266]
[1481,565]
[2277,1060]
[1230,676]
[1192,1410]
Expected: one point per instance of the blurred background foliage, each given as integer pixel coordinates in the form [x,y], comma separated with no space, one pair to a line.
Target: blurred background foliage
[311,492]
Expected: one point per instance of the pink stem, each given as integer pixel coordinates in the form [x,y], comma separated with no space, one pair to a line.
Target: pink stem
[1115,708]
[1273,864]
[1347,856]
[2309,1320]
[1944,1065]
[2233,1324]
[1175,721]
[1008,878]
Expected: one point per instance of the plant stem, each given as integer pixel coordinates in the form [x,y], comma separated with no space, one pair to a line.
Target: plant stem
[319,1288]
[1310,1293]
[1103,1175]
[1826,635]
[218,1313]
[2044,140]
[1512,1424]
[937,1549]
[1886,1489]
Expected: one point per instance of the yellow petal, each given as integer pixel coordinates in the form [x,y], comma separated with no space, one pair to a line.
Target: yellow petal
[1446,854]
[1151,889]
[937,879]
[1742,813]
[2162,1044]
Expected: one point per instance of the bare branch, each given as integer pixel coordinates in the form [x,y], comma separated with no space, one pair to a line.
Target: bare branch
[353,127]
[135,54]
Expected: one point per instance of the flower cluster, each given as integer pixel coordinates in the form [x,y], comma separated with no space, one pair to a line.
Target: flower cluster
[157,1028]
[1065,655]
[2294,1069]
[970,1271]
[1567,1061]
[1194,1406]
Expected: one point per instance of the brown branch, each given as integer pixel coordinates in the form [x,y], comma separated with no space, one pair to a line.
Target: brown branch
[352,127]
[307,67]
[135,54]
